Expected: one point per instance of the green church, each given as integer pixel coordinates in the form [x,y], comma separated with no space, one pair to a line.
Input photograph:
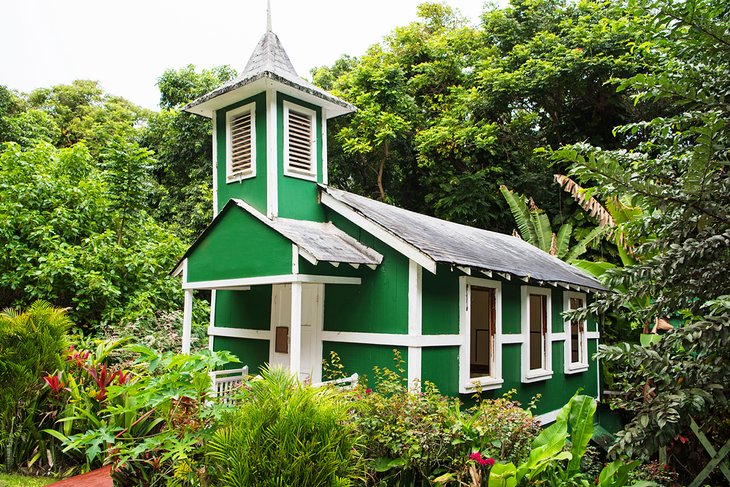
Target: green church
[298,269]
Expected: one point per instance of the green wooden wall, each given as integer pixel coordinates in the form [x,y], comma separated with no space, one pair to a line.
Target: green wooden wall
[239,245]
[380,303]
[298,197]
[244,309]
[252,190]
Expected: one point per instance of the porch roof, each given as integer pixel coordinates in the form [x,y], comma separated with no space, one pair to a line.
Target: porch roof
[316,242]
[443,242]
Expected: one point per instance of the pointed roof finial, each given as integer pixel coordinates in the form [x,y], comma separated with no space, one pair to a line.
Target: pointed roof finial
[268,15]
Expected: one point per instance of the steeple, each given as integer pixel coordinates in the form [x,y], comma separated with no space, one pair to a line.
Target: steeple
[270,134]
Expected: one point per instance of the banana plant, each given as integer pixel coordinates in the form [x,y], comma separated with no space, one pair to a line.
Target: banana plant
[535,228]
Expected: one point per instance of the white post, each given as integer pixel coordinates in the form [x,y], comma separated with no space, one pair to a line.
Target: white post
[187,321]
[415,324]
[295,331]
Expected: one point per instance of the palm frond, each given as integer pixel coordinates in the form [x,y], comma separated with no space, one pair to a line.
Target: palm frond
[521,215]
[581,247]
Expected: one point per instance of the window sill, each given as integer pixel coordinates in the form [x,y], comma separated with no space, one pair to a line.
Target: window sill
[235,178]
[576,368]
[481,384]
[537,375]
[300,175]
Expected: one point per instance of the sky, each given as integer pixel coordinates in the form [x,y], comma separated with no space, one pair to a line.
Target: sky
[127,45]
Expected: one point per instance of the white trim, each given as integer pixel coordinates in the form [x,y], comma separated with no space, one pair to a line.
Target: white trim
[280,279]
[325,170]
[391,339]
[222,331]
[511,338]
[294,259]
[571,367]
[215,164]
[295,330]
[593,335]
[239,176]
[415,322]
[295,173]
[272,160]
[187,321]
[211,324]
[466,383]
[558,337]
[379,232]
[546,372]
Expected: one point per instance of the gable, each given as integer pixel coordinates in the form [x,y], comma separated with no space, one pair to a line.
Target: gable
[238,245]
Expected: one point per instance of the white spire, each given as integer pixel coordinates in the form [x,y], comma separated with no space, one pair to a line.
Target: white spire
[268,15]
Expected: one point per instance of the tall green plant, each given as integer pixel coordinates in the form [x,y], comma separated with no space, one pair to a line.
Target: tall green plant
[535,228]
[287,434]
[31,343]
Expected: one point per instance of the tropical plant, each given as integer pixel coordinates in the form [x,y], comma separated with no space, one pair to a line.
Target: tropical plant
[535,228]
[555,461]
[150,422]
[31,343]
[285,433]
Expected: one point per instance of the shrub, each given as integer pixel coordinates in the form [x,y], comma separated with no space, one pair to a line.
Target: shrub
[31,343]
[284,433]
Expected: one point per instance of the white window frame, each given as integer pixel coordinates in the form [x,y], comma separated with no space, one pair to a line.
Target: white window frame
[230,176]
[570,366]
[294,173]
[469,384]
[547,371]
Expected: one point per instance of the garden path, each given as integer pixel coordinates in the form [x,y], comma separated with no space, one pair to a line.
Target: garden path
[101,477]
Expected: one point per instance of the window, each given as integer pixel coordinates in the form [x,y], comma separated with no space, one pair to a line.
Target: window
[536,344]
[480,318]
[576,340]
[240,143]
[299,142]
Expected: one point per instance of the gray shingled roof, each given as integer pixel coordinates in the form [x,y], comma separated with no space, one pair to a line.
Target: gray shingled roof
[270,60]
[460,245]
[325,242]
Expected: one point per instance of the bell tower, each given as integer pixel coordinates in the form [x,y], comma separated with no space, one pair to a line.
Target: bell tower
[270,134]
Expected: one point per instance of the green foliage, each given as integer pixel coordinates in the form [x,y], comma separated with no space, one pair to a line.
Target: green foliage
[150,422]
[183,150]
[60,235]
[555,461]
[535,229]
[31,342]
[674,167]
[284,433]
[418,438]
[24,481]
[448,112]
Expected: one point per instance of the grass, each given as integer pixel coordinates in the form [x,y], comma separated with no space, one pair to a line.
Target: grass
[23,481]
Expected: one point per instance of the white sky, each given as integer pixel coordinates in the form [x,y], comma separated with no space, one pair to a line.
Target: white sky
[126,45]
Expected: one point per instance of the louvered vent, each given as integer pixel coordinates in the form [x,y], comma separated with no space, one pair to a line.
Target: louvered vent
[241,144]
[300,142]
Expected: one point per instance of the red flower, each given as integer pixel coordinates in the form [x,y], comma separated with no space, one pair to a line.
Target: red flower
[54,382]
[122,377]
[368,390]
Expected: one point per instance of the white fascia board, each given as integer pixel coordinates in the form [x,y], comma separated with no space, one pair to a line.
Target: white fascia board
[379,232]
[279,279]
[272,155]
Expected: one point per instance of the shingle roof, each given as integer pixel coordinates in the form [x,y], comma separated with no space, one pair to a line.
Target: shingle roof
[460,245]
[270,60]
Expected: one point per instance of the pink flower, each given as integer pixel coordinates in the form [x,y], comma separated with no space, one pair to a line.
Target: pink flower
[477,457]
[54,382]
[368,390]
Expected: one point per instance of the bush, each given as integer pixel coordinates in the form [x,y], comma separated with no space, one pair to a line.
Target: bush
[284,433]
[414,438]
[31,343]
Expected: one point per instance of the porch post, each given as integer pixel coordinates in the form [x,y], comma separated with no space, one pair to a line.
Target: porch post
[295,333]
[187,321]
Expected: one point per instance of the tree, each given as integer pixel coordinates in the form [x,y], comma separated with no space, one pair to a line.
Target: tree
[183,152]
[448,112]
[676,167]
